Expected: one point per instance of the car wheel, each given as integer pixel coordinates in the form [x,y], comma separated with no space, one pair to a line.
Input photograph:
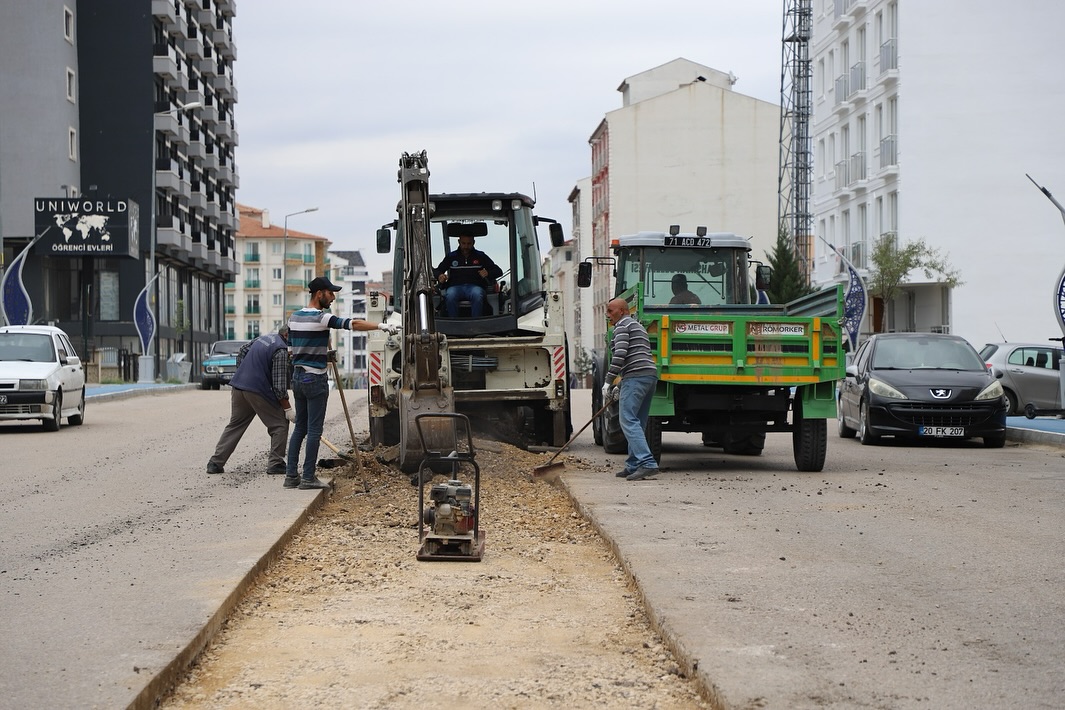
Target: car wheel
[57,411]
[865,434]
[1012,409]
[205,385]
[845,432]
[79,418]
[994,442]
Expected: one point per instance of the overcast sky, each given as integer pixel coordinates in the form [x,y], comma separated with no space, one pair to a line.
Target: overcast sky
[503,96]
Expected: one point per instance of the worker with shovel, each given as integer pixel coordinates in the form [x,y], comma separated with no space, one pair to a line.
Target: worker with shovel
[633,364]
[309,337]
[260,389]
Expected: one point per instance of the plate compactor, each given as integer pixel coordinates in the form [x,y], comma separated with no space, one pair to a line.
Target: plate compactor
[449,530]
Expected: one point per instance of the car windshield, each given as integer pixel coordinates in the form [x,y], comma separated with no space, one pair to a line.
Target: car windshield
[925,354]
[26,347]
[227,347]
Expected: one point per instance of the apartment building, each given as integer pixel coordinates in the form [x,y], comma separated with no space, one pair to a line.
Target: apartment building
[277,263]
[926,119]
[684,148]
[132,104]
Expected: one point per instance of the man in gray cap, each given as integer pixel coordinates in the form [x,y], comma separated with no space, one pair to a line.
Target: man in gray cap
[260,389]
[309,336]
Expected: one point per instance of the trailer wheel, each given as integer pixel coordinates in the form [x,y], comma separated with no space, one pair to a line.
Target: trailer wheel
[809,440]
[613,438]
[749,445]
[653,432]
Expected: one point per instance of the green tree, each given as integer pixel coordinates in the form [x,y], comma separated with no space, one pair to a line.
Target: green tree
[892,264]
[789,282]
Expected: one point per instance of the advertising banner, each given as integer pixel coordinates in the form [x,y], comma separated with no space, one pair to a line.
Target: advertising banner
[86,226]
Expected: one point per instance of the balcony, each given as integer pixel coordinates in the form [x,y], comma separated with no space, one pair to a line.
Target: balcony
[250,310]
[171,235]
[197,200]
[857,84]
[222,84]
[164,62]
[207,65]
[166,10]
[231,310]
[858,174]
[253,284]
[228,8]
[251,257]
[889,153]
[167,174]
[841,17]
[889,62]
[196,149]
[842,94]
[843,179]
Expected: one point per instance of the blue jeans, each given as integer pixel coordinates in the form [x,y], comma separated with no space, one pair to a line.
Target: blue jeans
[464,292]
[311,394]
[633,410]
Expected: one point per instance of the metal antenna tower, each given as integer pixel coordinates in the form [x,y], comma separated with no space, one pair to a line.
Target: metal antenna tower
[795,182]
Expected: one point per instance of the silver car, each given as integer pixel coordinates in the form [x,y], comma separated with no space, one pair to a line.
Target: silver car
[1030,373]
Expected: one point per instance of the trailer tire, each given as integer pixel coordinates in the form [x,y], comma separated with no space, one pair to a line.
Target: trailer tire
[809,440]
[613,438]
[653,432]
[748,445]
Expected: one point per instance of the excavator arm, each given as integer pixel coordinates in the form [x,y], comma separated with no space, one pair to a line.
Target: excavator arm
[425,387]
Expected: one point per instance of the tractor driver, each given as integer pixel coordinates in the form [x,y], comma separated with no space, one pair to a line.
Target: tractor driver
[468,275]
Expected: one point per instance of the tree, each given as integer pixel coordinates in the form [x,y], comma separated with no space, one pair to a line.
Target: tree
[789,282]
[891,265]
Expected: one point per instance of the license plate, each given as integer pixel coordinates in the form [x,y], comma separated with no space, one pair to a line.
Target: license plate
[942,431]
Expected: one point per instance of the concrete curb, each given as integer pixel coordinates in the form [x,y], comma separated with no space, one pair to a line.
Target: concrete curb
[1034,436]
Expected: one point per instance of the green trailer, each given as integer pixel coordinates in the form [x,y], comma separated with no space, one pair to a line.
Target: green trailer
[729,367]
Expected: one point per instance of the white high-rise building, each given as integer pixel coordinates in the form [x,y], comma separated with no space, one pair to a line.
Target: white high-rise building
[926,118]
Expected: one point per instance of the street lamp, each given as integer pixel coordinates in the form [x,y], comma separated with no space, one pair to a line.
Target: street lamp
[284,256]
[149,340]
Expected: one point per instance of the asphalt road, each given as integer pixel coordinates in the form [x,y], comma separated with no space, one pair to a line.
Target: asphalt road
[899,577]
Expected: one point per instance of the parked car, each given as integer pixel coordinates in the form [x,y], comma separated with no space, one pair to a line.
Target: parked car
[921,386]
[41,376]
[220,364]
[1030,373]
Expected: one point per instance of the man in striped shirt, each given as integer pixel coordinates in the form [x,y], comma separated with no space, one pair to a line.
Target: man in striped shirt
[309,340]
[633,368]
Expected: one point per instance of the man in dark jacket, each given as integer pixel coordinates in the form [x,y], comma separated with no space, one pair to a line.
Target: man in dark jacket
[468,274]
[260,389]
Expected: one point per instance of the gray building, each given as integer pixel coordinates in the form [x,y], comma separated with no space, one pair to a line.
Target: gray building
[112,100]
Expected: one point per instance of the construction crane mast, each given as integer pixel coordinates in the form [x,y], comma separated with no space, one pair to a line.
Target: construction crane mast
[795,182]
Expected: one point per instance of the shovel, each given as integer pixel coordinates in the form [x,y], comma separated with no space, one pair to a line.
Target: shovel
[351,430]
[544,469]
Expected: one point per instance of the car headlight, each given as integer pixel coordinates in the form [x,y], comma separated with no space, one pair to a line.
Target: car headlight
[883,389]
[992,391]
[209,368]
[33,384]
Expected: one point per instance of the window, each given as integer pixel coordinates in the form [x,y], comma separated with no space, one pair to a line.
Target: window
[278,299]
[276,274]
[72,85]
[72,143]
[68,24]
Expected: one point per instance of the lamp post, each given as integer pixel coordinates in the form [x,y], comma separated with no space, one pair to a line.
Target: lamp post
[284,258]
[146,365]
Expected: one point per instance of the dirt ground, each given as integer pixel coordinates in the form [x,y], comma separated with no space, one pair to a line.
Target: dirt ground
[348,617]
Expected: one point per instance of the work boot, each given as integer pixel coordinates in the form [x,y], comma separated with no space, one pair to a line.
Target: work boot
[313,483]
[641,473]
[623,473]
[292,481]
[212,467]
[277,470]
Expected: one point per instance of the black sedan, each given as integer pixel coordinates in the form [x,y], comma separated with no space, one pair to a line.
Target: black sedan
[920,386]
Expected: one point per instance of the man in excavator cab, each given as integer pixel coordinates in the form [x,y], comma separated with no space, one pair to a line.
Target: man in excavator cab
[466,274]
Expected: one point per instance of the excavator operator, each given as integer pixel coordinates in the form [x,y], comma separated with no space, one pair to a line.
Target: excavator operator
[468,275]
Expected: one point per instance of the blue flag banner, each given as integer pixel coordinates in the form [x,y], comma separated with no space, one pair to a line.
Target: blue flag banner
[142,316]
[14,298]
[853,307]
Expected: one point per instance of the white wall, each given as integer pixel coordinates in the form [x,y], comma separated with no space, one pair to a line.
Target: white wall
[697,155]
[982,103]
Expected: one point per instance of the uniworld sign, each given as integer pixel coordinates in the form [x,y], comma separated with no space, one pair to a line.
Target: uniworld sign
[82,226]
